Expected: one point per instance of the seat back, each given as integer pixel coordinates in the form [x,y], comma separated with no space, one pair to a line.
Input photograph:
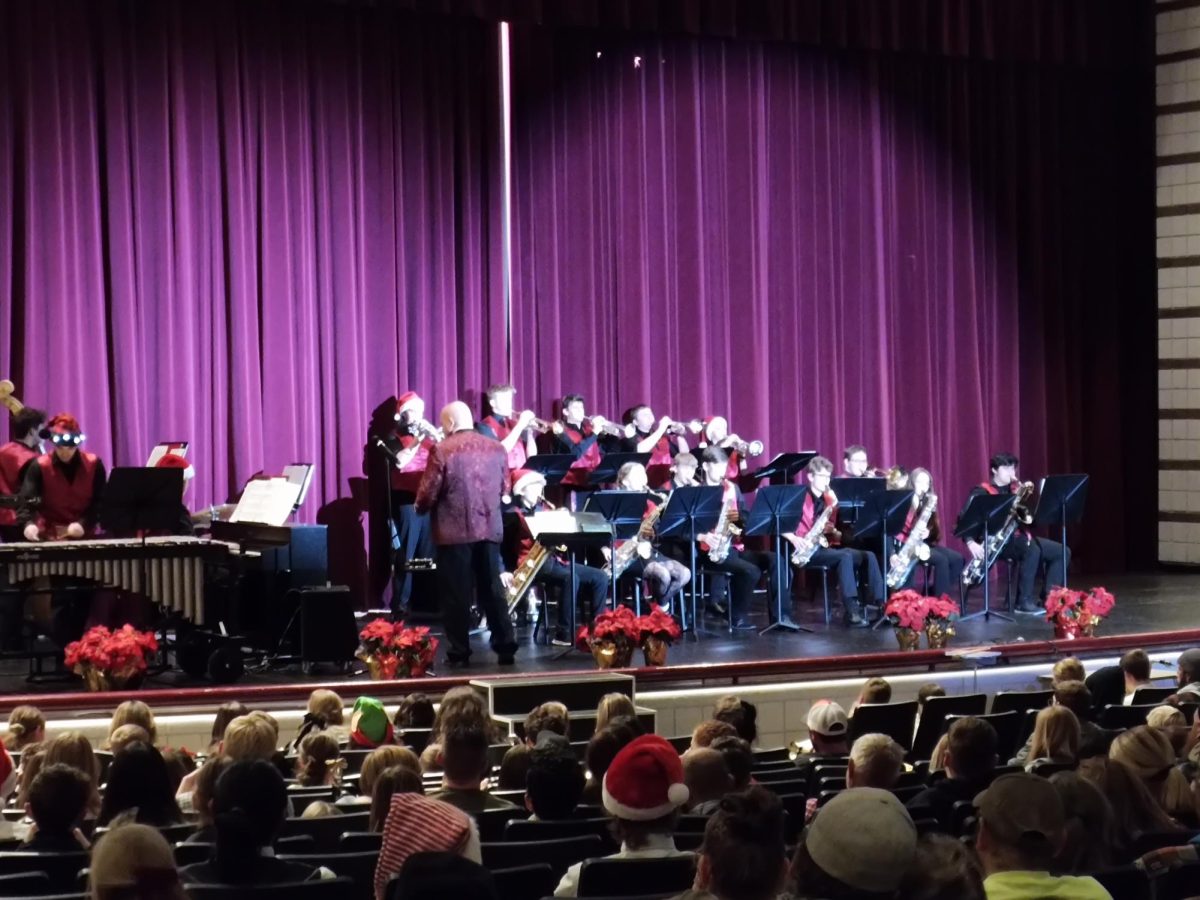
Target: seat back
[522,830]
[1114,716]
[1126,882]
[326,831]
[301,797]
[360,842]
[1008,729]
[62,869]
[771,754]
[933,719]
[621,877]
[559,854]
[893,719]
[358,867]
[492,822]
[189,854]
[525,882]
[1152,695]
[24,883]
[1019,701]
[331,889]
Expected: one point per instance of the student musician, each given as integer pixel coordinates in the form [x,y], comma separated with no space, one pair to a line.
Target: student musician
[848,563]
[716,434]
[511,431]
[661,439]
[24,448]
[528,497]
[947,564]
[745,568]
[855,463]
[412,539]
[663,576]
[1023,547]
[580,436]
[683,471]
[68,482]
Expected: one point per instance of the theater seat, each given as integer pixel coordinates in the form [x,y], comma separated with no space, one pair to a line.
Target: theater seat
[558,854]
[631,877]
[332,889]
[62,869]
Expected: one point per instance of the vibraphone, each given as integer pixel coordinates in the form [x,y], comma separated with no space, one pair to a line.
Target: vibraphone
[168,570]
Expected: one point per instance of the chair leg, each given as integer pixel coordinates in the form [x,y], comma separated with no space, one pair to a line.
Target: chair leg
[825,594]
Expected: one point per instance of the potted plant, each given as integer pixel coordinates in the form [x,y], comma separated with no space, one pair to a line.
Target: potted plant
[1076,613]
[910,613]
[613,636]
[111,660]
[657,630]
[394,650]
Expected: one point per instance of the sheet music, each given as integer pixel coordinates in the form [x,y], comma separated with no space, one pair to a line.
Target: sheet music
[301,474]
[563,521]
[267,502]
[179,448]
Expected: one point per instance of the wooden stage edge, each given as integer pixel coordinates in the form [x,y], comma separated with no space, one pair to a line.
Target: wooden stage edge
[200,699]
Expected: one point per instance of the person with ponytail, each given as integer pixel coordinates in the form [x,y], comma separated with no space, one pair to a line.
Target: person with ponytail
[743,856]
[249,809]
[25,726]
[320,761]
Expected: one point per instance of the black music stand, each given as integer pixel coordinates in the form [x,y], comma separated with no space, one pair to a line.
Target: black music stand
[852,494]
[986,512]
[140,499]
[883,514]
[691,511]
[777,510]
[624,511]
[573,541]
[610,464]
[1060,502]
[552,466]
[784,468]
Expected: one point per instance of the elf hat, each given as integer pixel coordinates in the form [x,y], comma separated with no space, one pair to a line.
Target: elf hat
[645,780]
[369,724]
[409,400]
[175,461]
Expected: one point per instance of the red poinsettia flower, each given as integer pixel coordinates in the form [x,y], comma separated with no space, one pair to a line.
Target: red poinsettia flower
[658,623]
[122,651]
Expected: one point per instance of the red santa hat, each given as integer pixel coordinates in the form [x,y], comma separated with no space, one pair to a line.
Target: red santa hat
[645,780]
[63,429]
[175,461]
[522,478]
[409,400]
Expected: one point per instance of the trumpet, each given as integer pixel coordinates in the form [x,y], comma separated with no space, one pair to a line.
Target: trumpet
[601,425]
[691,426]
[746,448]
[428,430]
[546,426]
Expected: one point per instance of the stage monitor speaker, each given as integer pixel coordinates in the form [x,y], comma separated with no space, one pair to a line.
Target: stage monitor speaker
[327,629]
[207,654]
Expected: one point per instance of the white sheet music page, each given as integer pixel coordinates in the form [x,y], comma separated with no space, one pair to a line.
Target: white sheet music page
[267,501]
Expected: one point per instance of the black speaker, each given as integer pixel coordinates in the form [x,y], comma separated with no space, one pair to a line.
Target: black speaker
[327,629]
[206,654]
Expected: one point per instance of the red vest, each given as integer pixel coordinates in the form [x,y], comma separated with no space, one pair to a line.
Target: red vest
[502,429]
[808,516]
[409,478]
[590,458]
[1013,487]
[13,457]
[63,501]
[658,468]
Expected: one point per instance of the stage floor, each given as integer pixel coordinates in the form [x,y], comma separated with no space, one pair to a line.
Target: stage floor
[1145,603]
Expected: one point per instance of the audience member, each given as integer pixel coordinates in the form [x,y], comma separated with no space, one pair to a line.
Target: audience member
[132,712]
[138,784]
[611,706]
[710,730]
[1135,665]
[875,761]
[1166,717]
[249,737]
[874,690]
[133,862]
[226,713]
[707,779]
[739,760]
[551,716]
[643,791]
[859,846]
[370,726]
[1055,738]
[391,781]
[1148,754]
[31,763]
[970,764]
[417,824]
[58,799]
[1135,811]
[328,711]
[462,703]
[1089,826]
[943,869]
[1066,669]
[180,764]
[601,750]
[202,799]
[25,726]
[743,855]
[633,723]
[319,762]
[514,767]
[431,758]
[827,729]
[379,760]
[464,766]
[415,711]
[1187,674]
[1021,827]
[74,749]
[554,783]
[434,876]
[320,809]
[126,735]
[741,714]
[1107,685]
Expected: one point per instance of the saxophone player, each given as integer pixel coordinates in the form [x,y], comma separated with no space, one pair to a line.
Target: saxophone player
[846,562]
[947,564]
[1023,547]
[664,577]
[743,568]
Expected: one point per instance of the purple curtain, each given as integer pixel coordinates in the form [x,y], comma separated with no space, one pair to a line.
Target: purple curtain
[829,250]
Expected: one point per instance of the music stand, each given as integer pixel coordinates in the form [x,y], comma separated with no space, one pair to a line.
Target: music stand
[777,510]
[882,513]
[1061,499]
[552,466]
[784,468]
[623,510]
[594,532]
[852,494]
[986,512]
[605,471]
[140,499]
[691,511]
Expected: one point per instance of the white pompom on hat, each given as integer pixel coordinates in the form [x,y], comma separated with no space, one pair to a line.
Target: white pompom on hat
[645,780]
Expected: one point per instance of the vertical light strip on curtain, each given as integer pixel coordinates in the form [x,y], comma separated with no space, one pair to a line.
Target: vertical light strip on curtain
[506,192]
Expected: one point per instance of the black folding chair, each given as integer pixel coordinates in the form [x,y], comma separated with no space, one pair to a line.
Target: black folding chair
[1152,695]
[1114,716]
[893,719]
[621,877]
[1019,701]
[189,854]
[558,854]
[933,719]
[771,754]
[32,883]
[359,842]
[522,830]
[326,831]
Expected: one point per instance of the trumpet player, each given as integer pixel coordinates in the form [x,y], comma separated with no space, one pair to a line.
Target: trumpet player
[661,439]
[855,463]
[947,564]
[716,434]
[579,436]
[848,563]
[409,445]
[1023,547]
[514,432]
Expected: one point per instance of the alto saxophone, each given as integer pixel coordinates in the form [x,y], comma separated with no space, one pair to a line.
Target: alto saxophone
[977,569]
[815,538]
[524,574]
[914,547]
[723,534]
[625,554]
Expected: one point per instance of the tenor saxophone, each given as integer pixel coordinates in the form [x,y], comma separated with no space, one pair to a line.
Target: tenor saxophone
[914,548]
[977,569]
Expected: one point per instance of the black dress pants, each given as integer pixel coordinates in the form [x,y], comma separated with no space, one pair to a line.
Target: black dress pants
[1032,555]
[466,573]
[745,569]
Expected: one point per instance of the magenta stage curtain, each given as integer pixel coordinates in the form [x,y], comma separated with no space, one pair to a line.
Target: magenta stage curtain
[926,256]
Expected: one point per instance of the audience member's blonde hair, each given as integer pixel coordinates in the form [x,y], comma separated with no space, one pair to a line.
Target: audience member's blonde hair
[319,761]
[937,759]
[381,758]
[133,861]
[1068,669]
[320,809]
[611,706]
[1148,753]
[26,725]
[72,748]
[31,764]
[133,712]
[877,762]
[126,735]
[708,731]
[431,758]
[269,719]
[328,706]
[1055,735]
[1166,717]
[874,690]
[1134,809]
[249,737]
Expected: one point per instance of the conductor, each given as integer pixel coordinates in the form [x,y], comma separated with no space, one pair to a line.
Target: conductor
[465,477]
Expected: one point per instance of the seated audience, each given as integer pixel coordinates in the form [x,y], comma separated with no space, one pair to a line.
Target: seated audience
[370,726]
[875,761]
[326,713]
[514,767]
[1135,665]
[58,799]
[860,845]
[710,730]
[874,690]
[1148,754]
[180,764]
[1089,829]
[611,706]
[250,737]
[431,758]
[1021,827]
[226,713]
[416,824]
[319,762]
[1187,674]
[202,799]
[550,716]
[415,711]
[1075,696]
[1166,717]
[464,767]
[943,869]
[743,856]
[741,714]
[924,692]
[378,760]
[554,783]
[320,809]
[643,791]
[465,703]
[739,761]
[74,749]
[391,781]
[1107,685]
[31,763]
[601,750]
[434,876]
[1055,738]
[249,809]
[133,862]
[132,712]
[138,784]
[25,726]
[126,735]
[827,729]
[970,764]
[1135,811]
[1066,669]
[707,779]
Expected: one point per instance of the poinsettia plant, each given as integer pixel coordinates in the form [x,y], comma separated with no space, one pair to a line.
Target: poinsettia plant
[395,650]
[909,609]
[1078,609]
[122,652]
[619,625]
[658,623]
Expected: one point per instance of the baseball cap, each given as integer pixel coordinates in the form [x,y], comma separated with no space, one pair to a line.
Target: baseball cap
[1021,809]
[863,837]
[827,718]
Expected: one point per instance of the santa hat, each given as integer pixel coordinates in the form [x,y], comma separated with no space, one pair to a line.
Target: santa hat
[522,478]
[63,429]
[175,461]
[406,401]
[708,421]
[645,780]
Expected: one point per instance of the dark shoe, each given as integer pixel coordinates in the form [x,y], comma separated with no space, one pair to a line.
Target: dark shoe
[743,625]
[458,659]
[716,609]
[560,638]
[1029,608]
[506,659]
